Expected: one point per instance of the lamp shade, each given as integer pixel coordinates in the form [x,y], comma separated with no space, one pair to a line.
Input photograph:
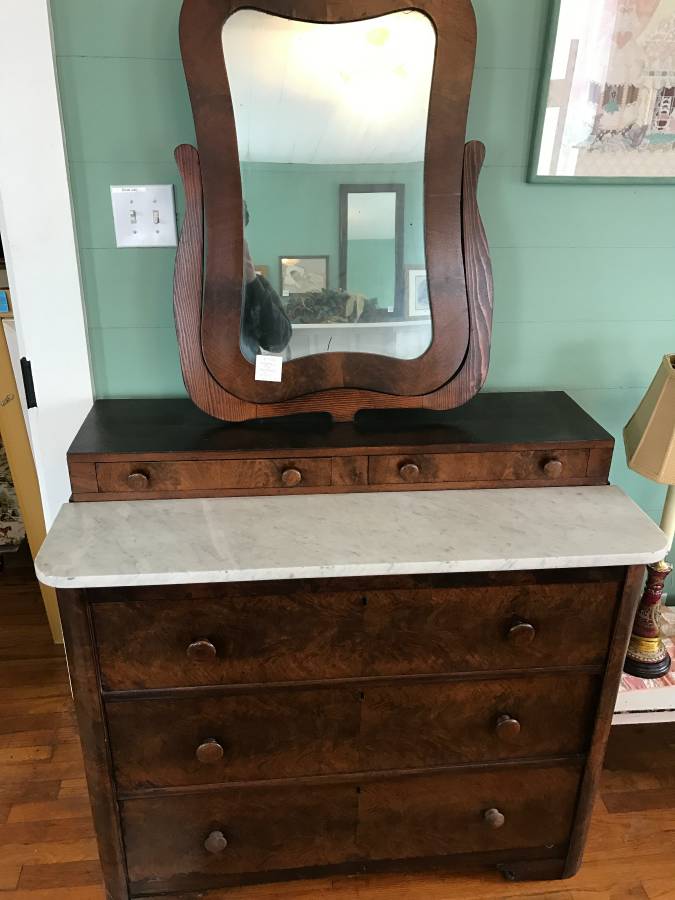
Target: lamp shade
[650,435]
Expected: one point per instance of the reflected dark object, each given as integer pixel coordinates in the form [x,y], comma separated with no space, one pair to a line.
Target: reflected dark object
[264,323]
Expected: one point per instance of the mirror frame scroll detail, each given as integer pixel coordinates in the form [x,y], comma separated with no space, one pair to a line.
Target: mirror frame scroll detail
[207,291]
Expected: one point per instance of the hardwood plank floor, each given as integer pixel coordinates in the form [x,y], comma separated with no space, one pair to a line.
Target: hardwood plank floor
[47,845]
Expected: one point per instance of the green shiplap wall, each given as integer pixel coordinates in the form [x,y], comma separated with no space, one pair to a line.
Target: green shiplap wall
[585,297]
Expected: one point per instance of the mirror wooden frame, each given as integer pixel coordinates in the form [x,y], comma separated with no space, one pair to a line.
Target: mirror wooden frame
[208,291]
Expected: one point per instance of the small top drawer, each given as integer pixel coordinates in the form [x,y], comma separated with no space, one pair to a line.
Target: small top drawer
[497,466]
[212,475]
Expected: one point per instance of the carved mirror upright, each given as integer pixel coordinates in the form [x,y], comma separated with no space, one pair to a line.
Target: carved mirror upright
[332,241]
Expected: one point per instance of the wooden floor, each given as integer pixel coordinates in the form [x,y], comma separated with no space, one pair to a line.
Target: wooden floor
[47,846]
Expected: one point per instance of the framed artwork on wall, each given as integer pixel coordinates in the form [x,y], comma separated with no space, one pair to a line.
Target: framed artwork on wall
[607,106]
[417,292]
[303,274]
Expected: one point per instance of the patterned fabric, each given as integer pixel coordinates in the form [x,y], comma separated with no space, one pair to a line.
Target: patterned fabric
[12,530]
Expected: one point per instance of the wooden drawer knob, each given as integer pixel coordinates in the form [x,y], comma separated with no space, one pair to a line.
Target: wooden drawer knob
[291,477]
[138,481]
[493,818]
[209,752]
[553,468]
[521,633]
[201,650]
[507,728]
[409,471]
[215,843]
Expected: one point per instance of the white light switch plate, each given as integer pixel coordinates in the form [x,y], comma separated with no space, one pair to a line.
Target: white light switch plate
[144,215]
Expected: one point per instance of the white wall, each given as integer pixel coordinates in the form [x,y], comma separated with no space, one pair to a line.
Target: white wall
[36,221]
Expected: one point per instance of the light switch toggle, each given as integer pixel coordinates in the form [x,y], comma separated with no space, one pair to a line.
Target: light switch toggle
[144,215]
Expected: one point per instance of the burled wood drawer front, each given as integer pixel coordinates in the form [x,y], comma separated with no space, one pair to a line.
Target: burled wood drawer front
[266,830]
[435,815]
[293,637]
[307,635]
[489,628]
[212,475]
[288,827]
[486,466]
[282,734]
[271,734]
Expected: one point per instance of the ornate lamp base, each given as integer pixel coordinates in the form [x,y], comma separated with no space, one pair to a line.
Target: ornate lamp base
[647,656]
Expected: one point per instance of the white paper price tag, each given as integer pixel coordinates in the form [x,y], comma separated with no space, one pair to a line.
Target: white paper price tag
[268,368]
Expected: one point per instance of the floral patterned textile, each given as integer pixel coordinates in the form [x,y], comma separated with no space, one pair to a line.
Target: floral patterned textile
[12,530]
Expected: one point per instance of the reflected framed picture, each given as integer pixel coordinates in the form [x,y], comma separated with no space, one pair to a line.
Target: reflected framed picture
[417,292]
[607,107]
[303,274]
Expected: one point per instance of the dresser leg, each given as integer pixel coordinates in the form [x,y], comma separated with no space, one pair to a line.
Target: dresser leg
[533,870]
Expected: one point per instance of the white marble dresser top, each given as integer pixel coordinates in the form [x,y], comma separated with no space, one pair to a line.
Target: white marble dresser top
[337,535]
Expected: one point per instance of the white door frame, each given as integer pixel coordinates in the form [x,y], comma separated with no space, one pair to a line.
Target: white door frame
[36,219]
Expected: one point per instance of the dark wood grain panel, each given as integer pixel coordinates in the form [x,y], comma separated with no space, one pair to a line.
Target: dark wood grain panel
[468,629]
[293,637]
[623,624]
[263,736]
[350,471]
[502,467]
[199,475]
[282,828]
[286,734]
[82,477]
[82,670]
[422,816]
[419,725]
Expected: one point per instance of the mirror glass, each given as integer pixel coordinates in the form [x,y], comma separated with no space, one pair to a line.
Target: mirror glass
[331,127]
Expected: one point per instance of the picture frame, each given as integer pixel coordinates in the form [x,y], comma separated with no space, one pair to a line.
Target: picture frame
[302,274]
[417,292]
[6,311]
[606,112]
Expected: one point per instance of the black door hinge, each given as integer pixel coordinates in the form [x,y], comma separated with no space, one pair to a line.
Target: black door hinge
[28,386]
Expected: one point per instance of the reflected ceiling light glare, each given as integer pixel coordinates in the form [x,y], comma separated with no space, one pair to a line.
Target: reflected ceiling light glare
[372,69]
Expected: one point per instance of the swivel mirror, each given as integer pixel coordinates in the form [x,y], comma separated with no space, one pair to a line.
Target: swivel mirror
[342,233]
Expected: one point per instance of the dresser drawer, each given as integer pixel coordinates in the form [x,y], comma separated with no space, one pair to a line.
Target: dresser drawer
[292,827]
[235,639]
[282,734]
[497,466]
[266,830]
[316,634]
[212,475]
[240,737]
[435,815]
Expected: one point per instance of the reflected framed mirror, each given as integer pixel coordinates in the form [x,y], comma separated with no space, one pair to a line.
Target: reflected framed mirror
[371,243]
[331,214]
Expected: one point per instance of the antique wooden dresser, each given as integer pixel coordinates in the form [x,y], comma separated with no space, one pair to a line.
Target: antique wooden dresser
[288,686]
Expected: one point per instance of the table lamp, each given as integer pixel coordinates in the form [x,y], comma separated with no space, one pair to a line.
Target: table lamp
[650,450]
